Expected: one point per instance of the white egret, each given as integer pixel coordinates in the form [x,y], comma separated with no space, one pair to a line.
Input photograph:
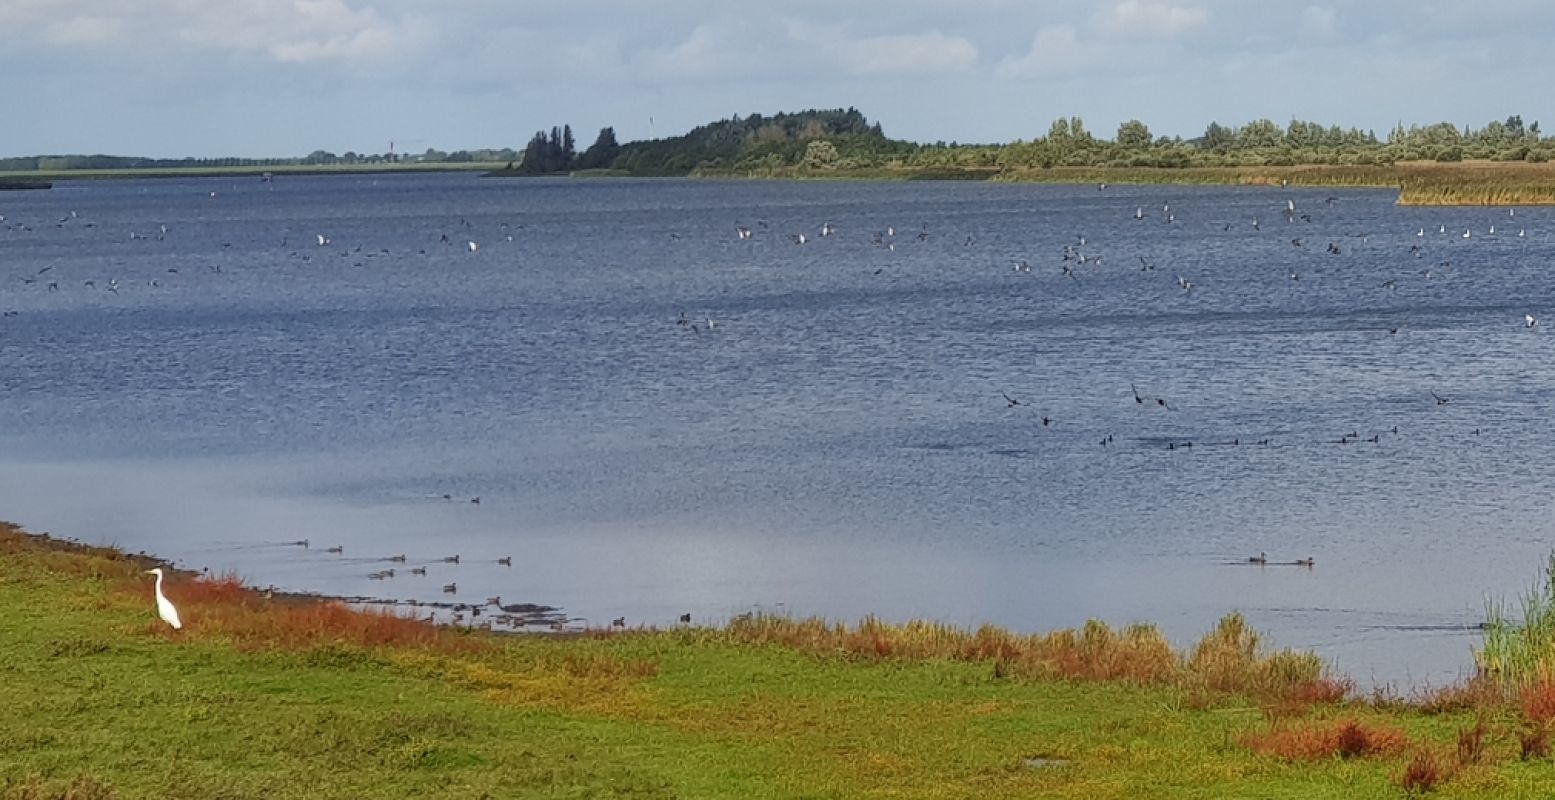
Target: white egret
[165,608]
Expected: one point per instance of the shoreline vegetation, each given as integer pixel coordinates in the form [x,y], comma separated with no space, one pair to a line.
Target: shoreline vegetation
[291,697]
[1504,163]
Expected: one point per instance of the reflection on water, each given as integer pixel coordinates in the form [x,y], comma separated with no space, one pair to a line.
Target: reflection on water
[839,441]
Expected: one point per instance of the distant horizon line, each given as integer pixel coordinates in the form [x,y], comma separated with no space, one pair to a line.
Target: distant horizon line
[1465,129]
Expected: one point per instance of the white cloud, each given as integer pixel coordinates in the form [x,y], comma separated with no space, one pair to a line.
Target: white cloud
[79,31]
[284,31]
[901,54]
[745,48]
[710,51]
[1152,19]
[1319,23]
[293,31]
[1055,50]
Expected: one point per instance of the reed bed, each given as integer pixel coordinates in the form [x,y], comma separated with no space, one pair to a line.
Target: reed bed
[1517,655]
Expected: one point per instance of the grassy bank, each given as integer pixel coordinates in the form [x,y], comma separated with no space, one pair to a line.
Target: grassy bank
[1485,183]
[243,172]
[1482,183]
[292,698]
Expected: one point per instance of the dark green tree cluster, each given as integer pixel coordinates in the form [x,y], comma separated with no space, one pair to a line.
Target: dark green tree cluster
[545,155]
[556,152]
[726,143]
[602,153]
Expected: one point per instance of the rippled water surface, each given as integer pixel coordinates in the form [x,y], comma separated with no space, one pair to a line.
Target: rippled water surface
[838,441]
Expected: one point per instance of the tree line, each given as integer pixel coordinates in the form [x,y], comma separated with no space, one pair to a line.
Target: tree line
[844,139]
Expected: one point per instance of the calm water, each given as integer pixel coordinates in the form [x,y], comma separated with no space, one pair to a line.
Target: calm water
[838,443]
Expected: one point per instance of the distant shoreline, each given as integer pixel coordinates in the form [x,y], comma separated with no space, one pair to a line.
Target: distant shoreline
[44,176]
[1468,183]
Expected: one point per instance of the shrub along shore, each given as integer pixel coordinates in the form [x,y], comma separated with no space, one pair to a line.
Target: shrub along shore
[287,697]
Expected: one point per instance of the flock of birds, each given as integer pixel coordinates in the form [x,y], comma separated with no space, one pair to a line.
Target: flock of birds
[1081,257]
[47,278]
[1074,261]
[1075,255]
[497,615]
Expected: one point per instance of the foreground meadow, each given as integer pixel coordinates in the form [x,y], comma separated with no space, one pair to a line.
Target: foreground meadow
[261,697]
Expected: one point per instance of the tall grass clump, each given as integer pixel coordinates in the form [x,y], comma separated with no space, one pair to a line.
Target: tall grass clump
[1230,659]
[1516,655]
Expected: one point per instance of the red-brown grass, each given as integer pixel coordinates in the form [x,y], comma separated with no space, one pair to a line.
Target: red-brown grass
[221,606]
[1537,701]
[1422,774]
[1534,742]
[1471,743]
[1346,738]
[1475,694]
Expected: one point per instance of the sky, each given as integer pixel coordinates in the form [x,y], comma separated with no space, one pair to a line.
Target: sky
[257,78]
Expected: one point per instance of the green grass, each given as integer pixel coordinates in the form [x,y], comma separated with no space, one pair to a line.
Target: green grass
[277,699]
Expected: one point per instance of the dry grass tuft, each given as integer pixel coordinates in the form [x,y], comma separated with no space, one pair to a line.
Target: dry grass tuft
[1537,702]
[1346,738]
[1534,743]
[1229,659]
[1475,694]
[1471,744]
[1422,774]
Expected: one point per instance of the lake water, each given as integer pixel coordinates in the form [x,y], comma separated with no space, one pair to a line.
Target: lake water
[839,442]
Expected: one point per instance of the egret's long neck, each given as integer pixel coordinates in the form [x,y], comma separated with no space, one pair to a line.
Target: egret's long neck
[159,584]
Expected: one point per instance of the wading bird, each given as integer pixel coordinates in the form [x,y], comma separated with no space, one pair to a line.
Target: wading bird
[165,608]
